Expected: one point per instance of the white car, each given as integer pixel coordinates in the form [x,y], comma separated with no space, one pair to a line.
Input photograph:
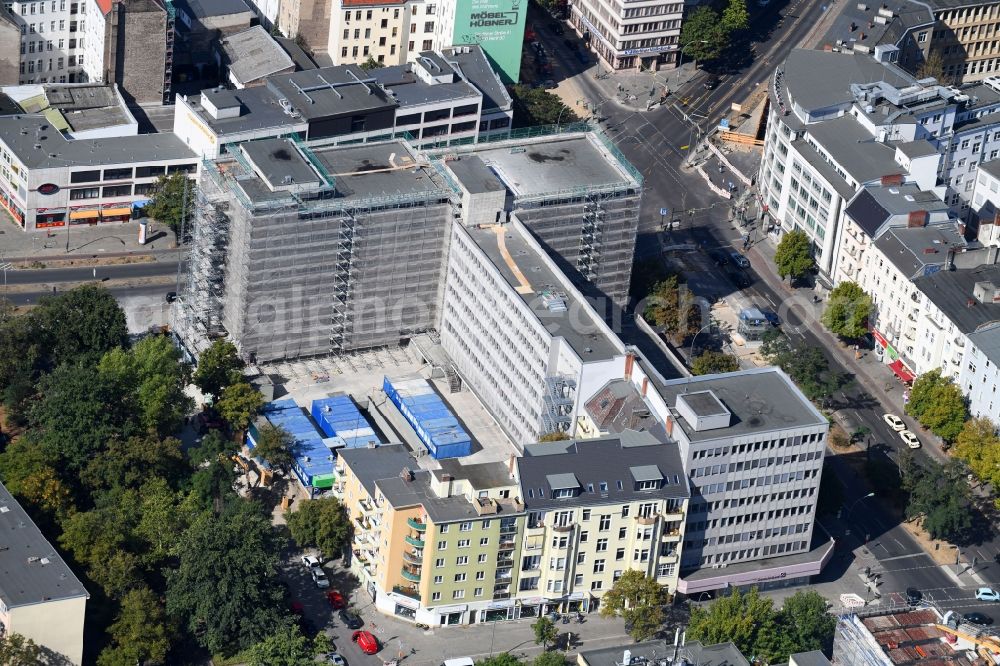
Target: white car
[910,439]
[987,594]
[335,659]
[894,422]
[311,561]
[319,577]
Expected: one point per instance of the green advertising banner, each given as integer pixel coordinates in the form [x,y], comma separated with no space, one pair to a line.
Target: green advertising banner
[497,26]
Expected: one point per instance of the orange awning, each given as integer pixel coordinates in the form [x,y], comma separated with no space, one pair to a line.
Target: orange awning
[83,214]
[115,212]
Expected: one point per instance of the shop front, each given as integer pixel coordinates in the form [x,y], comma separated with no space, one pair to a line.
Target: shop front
[47,218]
[448,616]
[405,607]
[116,213]
[888,354]
[84,217]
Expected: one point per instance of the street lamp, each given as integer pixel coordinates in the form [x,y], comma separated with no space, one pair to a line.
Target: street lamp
[854,504]
[691,350]
[559,118]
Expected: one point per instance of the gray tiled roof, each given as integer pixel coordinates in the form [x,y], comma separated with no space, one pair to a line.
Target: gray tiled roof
[594,462]
[472,63]
[820,79]
[987,340]
[915,250]
[31,570]
[951,292]
[253,54]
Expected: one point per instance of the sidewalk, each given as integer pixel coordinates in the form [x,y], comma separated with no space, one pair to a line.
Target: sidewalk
[82,241]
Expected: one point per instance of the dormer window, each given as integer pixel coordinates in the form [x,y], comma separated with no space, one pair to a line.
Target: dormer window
[563,485]
[648,485]
[647,477]
[563,492]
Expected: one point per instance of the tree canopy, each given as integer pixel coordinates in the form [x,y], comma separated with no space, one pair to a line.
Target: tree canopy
[274,445]
[141,631]
[550,659]
[239,404]
[978,446]
[752,623]
[735,16]
[938,404]
[639,600]
[703,36]
[218,366]
[710,362]
[502,659]
[940,495]
[793,256]
[16,650]
[808,367]
[285,647]
[537,106]
[670,307]
[545,632]
[847,311]
[320,523]
[167,205]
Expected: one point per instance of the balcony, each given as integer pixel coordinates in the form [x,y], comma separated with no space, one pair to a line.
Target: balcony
[562,528]
[500,575]
[416,524]
[507,544]
[413,576]
[363,523]
[413,541]
[366,507]
[645,520]
[413,557]
[505,562]
[410,592]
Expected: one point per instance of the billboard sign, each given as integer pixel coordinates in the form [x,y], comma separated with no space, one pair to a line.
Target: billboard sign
[498,27]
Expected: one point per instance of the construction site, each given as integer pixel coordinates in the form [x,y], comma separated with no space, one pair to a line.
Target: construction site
[302,251]
[917,636]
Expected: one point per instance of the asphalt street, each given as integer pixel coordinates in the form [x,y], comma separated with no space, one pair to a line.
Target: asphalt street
[85,273]
[156,293]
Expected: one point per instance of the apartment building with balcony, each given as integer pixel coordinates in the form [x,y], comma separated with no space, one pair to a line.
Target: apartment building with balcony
[595,509]
[638,34]
[435,545]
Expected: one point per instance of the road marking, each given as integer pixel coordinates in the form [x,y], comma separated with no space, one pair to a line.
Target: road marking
[901,557]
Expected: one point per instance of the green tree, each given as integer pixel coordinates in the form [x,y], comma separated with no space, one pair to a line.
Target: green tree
[711,362]
[129,463]
[371,64]
[938,404]
[140,633]
[274,445]
[285,647]
[933,67]
[161,523]
[747,619]
[847,310]
[639,600]
[978,446]
[502,659]
[225,586]
[545,632]
[793,256]
[939,494]
[154,378]
[214,446]
[537,106]
[239,404]
[550,659]
[16,650]
[703,37]
[100,539]
[805,622]
[167,205]
[320,523]
[218,366]
[808,367]
[79,324]
[735,16]
[28,469]
[670,307]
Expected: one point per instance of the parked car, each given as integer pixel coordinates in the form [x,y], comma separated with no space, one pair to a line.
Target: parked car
[711,82]
[365,641]
[720,257]
[981,619]
[739,278]
[336,599]
[987,594]
[556,28]
[910,439]
[171,296]
[913,596]
[894,422]
[319,577]
[311,561]
[350,620]
[335,659]
[739,259]
[772,318]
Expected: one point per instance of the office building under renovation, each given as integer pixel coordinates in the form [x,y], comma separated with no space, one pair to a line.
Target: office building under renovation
[305,250]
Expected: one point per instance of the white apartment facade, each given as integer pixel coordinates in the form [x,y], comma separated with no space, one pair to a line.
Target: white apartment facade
[630,35]
[389,32]
[980,372]
[986,202]
[53,40]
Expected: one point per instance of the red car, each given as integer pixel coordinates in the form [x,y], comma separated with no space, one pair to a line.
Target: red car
[336,599]
[297,608]
[365,641]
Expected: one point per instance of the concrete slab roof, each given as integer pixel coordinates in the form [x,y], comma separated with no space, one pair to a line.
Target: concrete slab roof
[821,79]
[253,54]
[376,170]
[279,162]
[330,92]
[473,174]
[852,147]
[471,63]
[31,570]
[526,271]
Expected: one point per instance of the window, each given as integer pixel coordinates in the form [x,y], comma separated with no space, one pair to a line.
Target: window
[478,592]
[435,596]
[118,191]
[584,536]
[619,554]
[438,580]
[598,566]
[586,515]
[485,524]
[605,523]
[149,171]
[625,511]
[84,176]
[485,541]
[578,579]
[84,193]
[463,560]
[603,485]
[596,585]
[649,485]
[460,577]
[602,545]
[482,558]
[557,563]
[465,527]
[622,532]
[463,543]
[439,562]
[444,529]
[442,545]
[458,594]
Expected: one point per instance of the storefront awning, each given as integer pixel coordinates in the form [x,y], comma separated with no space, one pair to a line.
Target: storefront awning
[84,214]
[116,212]
[140,204]
[879,338]
[901,371]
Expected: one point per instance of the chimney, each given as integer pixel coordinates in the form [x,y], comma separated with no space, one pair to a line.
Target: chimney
[406,474]
[996,219]
[961,229]
[892,180]
[511,462]
[917,218]
[669,425]
[645,385]
[629,363]
[446,480]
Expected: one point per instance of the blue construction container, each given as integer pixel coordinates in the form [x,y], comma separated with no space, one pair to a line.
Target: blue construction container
[338,416]
[428,415]
[313,464]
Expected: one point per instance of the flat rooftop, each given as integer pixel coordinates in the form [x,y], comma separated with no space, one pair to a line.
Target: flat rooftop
[760,400]
[652,653]
[471,62]
[474,175]
[535,168]
[409,90]
[279,163]
[254,54]
[374,170]
[819,79]
[527,271]
[330,92]
[360,376]
[39,145]
[851,146]
[31,570]
[259,109]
